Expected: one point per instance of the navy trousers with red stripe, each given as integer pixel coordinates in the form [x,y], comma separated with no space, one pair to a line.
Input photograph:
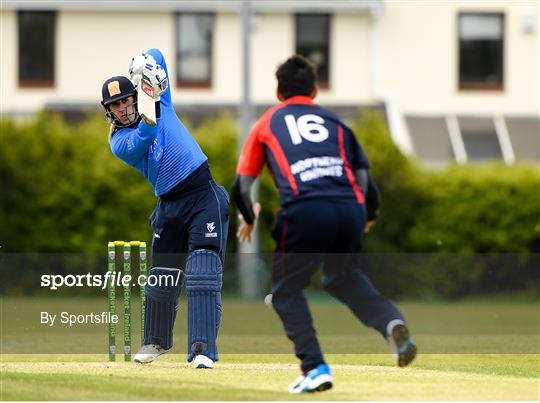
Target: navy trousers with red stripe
[328,233]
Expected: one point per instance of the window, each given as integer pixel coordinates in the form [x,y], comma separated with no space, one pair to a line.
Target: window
[36,48]
[481,51]
[431,140]
[525,138]
[312,41]
[194,49]
[480,139]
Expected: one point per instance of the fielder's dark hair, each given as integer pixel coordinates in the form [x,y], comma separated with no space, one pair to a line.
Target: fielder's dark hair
[296,76]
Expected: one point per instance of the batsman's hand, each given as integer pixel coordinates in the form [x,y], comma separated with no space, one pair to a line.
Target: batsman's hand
[369,225]
[136,66]
[154,79]
[245,229]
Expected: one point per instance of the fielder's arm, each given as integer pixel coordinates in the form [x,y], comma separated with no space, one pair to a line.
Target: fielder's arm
[362,179]
[373,199]
[371,195]
[248,211]
[241,193]
[250,165]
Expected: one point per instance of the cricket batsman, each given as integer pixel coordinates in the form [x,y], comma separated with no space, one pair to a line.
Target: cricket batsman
[191,216]
[328,201]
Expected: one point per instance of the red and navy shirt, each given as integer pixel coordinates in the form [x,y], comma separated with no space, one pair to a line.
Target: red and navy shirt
[309,152]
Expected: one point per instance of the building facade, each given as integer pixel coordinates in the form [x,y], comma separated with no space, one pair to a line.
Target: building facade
[459,81]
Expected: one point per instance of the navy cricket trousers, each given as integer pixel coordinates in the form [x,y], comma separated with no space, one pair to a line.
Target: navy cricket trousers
[328,233]
[193,216]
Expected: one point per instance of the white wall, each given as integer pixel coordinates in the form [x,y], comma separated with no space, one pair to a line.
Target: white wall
[349,61]
[90,47]
[417,48]
[226,66]
[8,59]
[271,44]
[419,60]
[95,46]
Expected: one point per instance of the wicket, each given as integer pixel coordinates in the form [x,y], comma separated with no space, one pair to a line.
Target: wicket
[142,266]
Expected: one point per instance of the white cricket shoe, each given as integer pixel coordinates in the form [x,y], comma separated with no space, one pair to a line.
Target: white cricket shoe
[149,353]
[295,386]
[317,380]
[202,361]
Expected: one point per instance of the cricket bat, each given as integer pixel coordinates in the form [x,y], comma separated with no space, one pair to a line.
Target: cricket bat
[146,101]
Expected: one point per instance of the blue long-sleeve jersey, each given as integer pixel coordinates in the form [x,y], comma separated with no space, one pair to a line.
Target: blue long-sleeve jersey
[165,154]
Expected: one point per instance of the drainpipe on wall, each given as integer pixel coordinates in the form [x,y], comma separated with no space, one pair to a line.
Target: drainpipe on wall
[248,268]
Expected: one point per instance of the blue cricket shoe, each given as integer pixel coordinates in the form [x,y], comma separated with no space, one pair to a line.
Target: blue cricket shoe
[317,380]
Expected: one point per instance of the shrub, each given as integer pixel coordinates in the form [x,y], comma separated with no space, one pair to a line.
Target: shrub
[64,190]
[400,181]
[485,208]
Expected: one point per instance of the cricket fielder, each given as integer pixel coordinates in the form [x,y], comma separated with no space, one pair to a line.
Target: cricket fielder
[191,216]
[322,175]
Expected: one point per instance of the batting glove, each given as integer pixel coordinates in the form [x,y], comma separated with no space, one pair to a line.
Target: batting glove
[136,66]
[155,81]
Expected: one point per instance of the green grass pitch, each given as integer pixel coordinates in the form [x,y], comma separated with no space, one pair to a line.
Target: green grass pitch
[474,350]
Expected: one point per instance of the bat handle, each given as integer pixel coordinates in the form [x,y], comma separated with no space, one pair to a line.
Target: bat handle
[147,120]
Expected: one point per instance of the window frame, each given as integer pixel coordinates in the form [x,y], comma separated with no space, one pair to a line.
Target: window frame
[36,83]
[206,84]
[323,85]
[481,86]
[477,134]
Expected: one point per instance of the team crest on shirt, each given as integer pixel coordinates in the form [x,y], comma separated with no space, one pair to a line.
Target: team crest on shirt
[211,226]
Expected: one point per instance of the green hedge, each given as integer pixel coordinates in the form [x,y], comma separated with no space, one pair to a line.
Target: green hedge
[438,220]
[64,191]
[400,181]
[462,209]
[482,209]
